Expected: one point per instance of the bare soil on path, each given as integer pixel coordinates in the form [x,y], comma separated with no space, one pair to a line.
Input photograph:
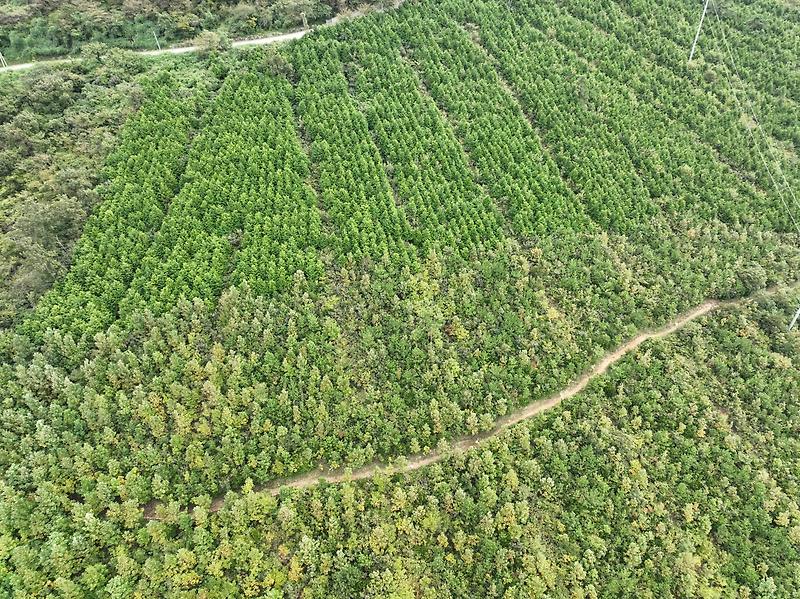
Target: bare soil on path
[463,444]
[258,41]
[240,43]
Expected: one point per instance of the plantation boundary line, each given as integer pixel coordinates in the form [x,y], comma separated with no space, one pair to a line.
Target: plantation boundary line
[668,69]
[748,177]
[744,173]
[539,132]
[465,443]
[386,167]
[502,207]
[451,124]
[767,93]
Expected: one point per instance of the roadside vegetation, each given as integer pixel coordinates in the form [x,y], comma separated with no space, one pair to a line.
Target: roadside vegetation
[41,29]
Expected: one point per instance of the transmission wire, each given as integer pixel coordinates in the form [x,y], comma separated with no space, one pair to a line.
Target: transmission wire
[779,169]
[729,78]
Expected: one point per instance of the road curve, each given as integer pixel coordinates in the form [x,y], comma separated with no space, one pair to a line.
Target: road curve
[463,444]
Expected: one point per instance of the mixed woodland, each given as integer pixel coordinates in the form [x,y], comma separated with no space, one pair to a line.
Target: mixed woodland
[228,269]
[31,29]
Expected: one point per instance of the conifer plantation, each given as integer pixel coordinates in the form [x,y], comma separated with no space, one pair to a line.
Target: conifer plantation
[264,312]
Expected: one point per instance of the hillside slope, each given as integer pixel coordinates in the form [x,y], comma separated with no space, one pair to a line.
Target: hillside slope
[675,474]
[391,234]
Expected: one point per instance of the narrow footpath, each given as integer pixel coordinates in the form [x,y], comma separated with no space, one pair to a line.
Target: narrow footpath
[463,444]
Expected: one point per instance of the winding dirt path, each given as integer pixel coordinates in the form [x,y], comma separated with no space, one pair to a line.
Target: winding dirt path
[463,444]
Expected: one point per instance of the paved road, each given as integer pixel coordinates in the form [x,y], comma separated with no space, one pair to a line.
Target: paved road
[28,65]
[259,41]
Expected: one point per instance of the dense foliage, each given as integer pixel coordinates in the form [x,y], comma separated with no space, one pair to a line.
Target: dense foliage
[59,131]
[384,236]
[674,475]
[671,476]
[41,28]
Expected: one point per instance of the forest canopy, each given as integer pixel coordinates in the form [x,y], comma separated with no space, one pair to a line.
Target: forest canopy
[227,271]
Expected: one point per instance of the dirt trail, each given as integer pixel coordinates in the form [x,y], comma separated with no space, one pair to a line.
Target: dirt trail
[257,41]
[463,444]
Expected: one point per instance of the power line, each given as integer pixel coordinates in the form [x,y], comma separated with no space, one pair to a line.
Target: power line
[752,109]
[755,143]
[699,27]
[778,168]
[728,77]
